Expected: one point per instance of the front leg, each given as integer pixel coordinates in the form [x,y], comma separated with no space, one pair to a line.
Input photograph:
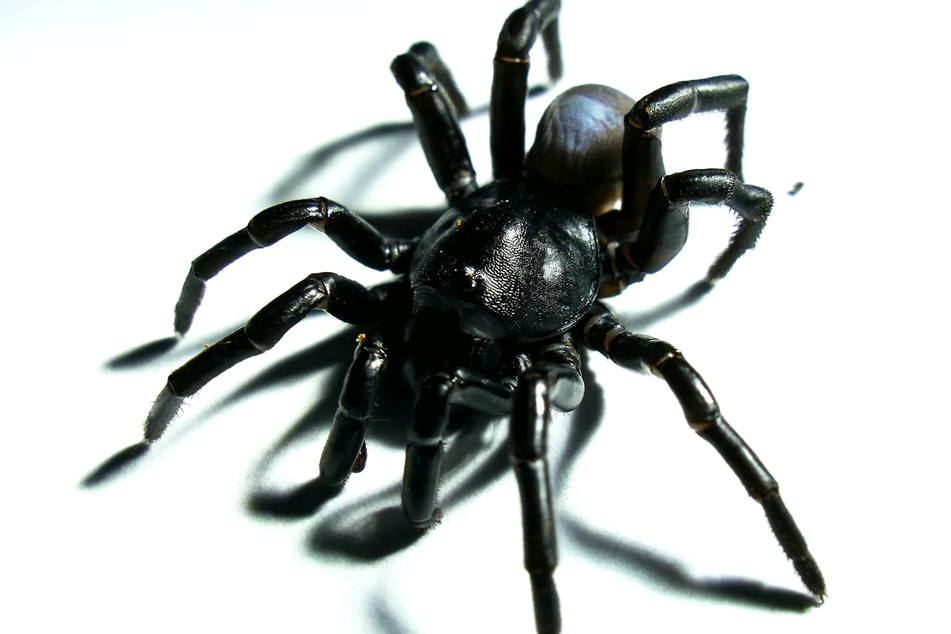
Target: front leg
[654,207]
[643,161]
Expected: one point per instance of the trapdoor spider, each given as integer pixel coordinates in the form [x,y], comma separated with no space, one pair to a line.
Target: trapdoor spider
[489,304]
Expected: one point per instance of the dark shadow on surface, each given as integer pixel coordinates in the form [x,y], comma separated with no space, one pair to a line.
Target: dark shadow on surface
[184,347]
[642,321]
[375,527]
[326,353]
[306,499]
[399,136]
[367,535]
[143,354]
[115,465]
[673,577]
[386,618]
[318,159]
[299,502]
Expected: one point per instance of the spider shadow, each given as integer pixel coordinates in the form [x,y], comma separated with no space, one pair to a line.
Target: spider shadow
[392,138]
[673,577]
[115,465]
[309,497]
[643,320]
[372,528]
[404,223]
[170,348]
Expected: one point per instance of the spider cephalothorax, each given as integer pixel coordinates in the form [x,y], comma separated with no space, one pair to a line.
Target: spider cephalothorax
[514,261]
[489,305]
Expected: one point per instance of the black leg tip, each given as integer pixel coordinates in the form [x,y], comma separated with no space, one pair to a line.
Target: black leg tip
[808,571]
[794,545]
[193,290]
[431,522]
[165,408]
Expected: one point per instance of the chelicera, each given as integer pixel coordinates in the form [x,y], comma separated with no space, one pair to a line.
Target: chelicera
[490,304]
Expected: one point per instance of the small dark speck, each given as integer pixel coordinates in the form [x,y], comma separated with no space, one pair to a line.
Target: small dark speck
[795,188]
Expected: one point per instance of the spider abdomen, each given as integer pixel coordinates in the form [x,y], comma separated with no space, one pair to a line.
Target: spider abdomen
[511,262]
[578,143]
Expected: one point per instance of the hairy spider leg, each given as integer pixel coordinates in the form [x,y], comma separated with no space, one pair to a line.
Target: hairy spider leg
[603,332]
[727,93]
[343,298]
[352,234]
[510,81]
[345,449]
[663,231]
[433,99]
[644,172]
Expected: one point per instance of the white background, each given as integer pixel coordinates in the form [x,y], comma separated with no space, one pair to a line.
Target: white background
[133,138]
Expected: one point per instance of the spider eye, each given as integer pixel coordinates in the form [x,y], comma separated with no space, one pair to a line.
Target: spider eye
[462,278]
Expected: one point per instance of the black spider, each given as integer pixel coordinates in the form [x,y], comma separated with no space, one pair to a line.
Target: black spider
[490,302]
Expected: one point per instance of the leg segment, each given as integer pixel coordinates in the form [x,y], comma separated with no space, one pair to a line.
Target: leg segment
[510,83]
[354,235]
[528,454]
[425,449]
[663,232]
[643,162]
[343,298]
[428,57]
[678,101]
[554,382]
[603,333]
[347,436]
[435,101]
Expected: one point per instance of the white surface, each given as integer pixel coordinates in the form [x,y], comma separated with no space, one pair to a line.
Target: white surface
[135,138]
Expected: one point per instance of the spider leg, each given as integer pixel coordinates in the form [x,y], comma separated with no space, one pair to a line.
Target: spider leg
[602,332]
[678,101]
[346,441]
[341,297]
[424,452]
[660,217]
[553,382]
[510,81]
[663,231]
[352,234]
[427,55]
[435,101]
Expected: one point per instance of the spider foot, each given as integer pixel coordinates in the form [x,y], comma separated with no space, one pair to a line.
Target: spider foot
[434,520]
[164,409]
[794,544]
[808,571]
[192,292]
